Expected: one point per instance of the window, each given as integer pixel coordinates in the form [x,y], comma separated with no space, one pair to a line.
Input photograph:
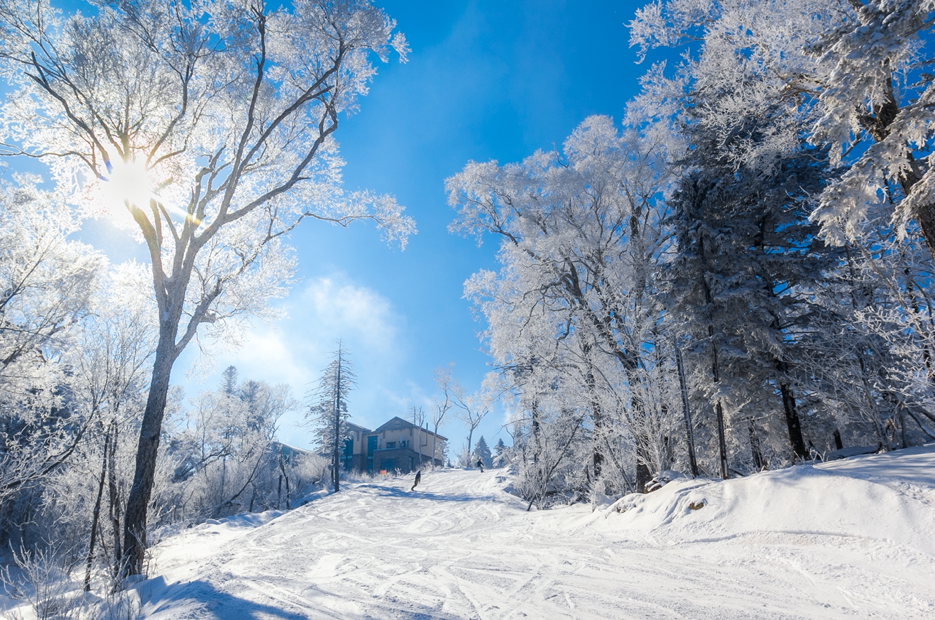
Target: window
[390,444]
[371,446]
[348,456]
[404,443]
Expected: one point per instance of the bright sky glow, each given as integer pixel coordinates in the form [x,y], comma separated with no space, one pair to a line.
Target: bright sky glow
[128,182]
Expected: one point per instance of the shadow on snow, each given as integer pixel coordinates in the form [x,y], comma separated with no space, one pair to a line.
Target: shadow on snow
[397,492]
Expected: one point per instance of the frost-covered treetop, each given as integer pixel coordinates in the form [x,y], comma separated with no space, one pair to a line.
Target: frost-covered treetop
[219,106]
[850,75]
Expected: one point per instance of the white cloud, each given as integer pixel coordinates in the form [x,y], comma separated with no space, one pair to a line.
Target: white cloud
[295,349]
[342,310]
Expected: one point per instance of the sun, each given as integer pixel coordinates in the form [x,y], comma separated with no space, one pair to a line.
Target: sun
[127,182]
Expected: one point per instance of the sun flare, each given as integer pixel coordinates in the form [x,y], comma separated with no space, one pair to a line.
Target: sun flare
[128,182]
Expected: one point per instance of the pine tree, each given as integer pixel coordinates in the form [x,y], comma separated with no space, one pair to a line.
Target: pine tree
[747,257]
[499,457]
[483,452]
[328,412]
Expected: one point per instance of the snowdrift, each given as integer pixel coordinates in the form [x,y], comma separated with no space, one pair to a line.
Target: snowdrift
[889,498]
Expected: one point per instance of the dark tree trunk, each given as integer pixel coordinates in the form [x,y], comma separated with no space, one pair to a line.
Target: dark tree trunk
[597,457]
[536,434]
[643,473]
[755,451]
[335,461]
[134,527]
[5,521]
[925,215]
[689,432]
[792,421]
[96,514]
[114,496]
[722,442]
[282,468]
[838,444]
[715,368]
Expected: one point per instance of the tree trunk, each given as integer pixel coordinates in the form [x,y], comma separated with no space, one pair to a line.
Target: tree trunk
[337,428]
[470,462]
[792,421]
[643,474]
[134,526]
[114,497]
[901,421]
[282,468]
[596,414]
[838,444]
[715,368]
[925,215]
[878,126]
[722,442]
[689,432]
[536,434]
[755,451]
[95,515]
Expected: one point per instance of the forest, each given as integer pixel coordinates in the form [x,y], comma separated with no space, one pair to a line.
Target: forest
[738,276]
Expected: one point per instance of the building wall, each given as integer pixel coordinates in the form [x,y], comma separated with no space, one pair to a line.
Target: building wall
[356,457]
[402,459]
[405,438]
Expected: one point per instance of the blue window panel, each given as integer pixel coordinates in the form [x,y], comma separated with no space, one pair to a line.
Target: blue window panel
[371,446]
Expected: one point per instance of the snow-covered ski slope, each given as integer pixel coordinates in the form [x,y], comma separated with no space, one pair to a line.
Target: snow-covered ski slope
[850,539]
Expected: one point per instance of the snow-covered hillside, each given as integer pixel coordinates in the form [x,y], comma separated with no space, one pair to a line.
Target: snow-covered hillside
[850,539]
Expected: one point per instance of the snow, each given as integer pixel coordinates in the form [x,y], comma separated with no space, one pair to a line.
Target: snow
[848,539]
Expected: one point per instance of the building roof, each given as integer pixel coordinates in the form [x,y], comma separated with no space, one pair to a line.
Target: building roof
[355,427]
[289,451]
[398,423]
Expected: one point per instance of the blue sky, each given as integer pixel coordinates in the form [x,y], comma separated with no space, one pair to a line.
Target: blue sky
[486,79]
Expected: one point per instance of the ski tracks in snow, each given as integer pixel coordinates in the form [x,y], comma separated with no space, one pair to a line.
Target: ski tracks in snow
[460,547]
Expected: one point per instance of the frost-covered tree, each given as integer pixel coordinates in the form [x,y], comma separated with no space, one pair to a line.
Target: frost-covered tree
[482,451]
[441,405]
[47,283]
[110,377]
[471,409]
[746,264]
[500,453]
[327,412]
[225,454]
[208,126]
[761,82]
[78,505]
[580,234]
[850,75]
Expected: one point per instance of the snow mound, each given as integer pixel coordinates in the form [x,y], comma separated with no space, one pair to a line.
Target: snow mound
[888,498]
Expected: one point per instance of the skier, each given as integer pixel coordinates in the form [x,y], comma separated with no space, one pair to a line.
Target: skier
[480,463]
[418,480]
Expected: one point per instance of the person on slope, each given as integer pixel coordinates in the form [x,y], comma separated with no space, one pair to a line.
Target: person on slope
[480,463]
[418,480]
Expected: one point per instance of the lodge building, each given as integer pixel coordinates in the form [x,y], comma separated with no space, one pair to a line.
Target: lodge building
[397,445]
